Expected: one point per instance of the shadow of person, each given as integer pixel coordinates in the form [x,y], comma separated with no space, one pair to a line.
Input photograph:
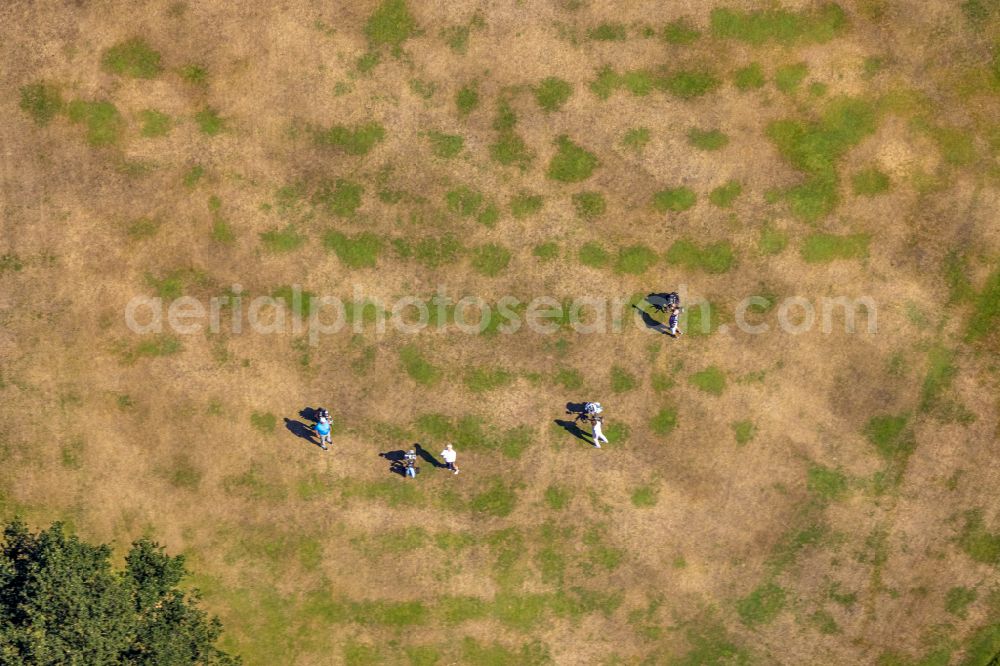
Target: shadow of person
[651,323]
[427,456]
[397,467]
[395,456]
[310,414]
[573,429]
[300,429]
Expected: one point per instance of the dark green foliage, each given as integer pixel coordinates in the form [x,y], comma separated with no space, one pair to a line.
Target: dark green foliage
[762,605]
[353,141]
[679,32]
[675,199]
[788,78]
[41,101]
[589,205]
[707,139]
[341,199]
[552,93]
[814,148]
[608,32]
[571,163]
[467,99]
[870,182]
[724,195]
[819,248]
[209,121]
[133,57]
[445,145]
[62,603]
[750,77]
[390,24]
[359,251]
[779,25]
[104,123]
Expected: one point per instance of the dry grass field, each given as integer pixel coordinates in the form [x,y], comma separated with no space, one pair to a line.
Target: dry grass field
[826,497]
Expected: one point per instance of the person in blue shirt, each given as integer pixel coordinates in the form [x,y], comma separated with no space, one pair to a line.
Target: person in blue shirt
[323,431]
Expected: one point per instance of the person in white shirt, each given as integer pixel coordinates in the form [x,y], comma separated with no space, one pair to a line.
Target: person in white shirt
[598,435]
[449,456]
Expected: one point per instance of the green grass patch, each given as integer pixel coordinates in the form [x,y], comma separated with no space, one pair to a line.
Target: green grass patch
[824,623]
[194,74]
[209,121]
[645,496]
[870,182]
[558,497]
[622,380]
[495,654]
[744,431]
[636,138]
[788,77]
[490,259]
[977,541]
[286,295]
[511,150]
[762,605]
[358,140]
[526,204]
[480,380]
[608,32]
[265,422]
[890,436]
[432,252]
[463,201]
[390,25]
[830,484]
[710,380]
[154,347]
[42,101]
[467,99]
[689,84]
[342,198]
[593,255]
[983,646]
[569,378]
[707,139]
[715,258]
[154,123]
[133,57]
[571,163]
[816,25]
[957,147]
[141,228]
[193,175]
[498,500]
[941,372]
[958,599]
[724,195]
[104,124]
[772,241]
[359,251]
[680,32]
[552,93]
[589,205]
[489,215]
[675,199]
[822,247]
[183,474]
[222,232]
[417,367]
[956,276]
[546,251]
[750,77]
[635,260]
[664,422]
[282,240]
[445,146]
[985,319]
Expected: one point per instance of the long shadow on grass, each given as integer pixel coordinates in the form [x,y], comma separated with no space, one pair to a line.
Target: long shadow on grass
[300,429]
[395,458]
[651,323]
[572,428]
[427,456]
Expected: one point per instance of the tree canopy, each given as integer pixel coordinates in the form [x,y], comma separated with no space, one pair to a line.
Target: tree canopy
[61,602]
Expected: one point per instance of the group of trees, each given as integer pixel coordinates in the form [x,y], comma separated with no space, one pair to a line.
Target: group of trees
[61,602]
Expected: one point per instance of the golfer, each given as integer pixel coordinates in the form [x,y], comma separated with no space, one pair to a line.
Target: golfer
[675,317]
[323,432]
[598,435]
[449,457]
